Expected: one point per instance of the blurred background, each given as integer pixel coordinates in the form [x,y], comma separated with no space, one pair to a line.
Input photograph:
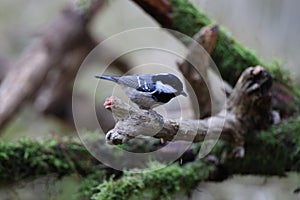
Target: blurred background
[270,27]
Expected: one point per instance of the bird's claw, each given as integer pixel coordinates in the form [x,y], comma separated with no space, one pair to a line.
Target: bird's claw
[156,115]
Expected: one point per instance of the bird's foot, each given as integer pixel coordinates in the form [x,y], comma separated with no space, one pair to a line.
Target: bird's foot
[156,115]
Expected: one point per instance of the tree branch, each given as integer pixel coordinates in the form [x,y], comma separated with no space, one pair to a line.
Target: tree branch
[248,109]
[29,72]
[231,57]
[272,152]
[171,180]
[57,87]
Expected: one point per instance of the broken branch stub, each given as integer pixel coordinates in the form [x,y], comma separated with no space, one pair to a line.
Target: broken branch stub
[131,121]
[194,68]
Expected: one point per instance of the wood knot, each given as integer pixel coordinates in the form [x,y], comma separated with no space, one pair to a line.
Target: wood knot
[109,102]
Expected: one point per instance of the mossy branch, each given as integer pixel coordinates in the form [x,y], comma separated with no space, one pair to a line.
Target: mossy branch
[155,184]
[272,152]
[27,159]
[231,57]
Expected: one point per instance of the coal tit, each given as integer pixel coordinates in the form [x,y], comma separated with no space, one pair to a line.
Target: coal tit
[149,90]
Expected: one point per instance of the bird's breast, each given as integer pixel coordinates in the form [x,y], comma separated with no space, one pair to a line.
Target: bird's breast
[162,97]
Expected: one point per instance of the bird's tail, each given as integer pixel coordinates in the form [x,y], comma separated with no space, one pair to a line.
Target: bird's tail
[110,78]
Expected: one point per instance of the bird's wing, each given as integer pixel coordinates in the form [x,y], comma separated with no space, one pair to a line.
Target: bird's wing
[149,87]
[141,82]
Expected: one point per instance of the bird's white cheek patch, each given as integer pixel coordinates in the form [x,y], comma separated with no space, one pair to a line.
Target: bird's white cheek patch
[165,87]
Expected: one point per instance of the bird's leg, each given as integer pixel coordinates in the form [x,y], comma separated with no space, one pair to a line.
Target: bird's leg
[159,118]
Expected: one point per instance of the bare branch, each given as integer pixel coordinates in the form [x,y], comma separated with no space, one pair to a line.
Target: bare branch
[29,72]
[248,108]
[57,87]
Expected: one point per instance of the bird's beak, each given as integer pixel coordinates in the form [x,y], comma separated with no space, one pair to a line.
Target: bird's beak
[183,94]
[97,76]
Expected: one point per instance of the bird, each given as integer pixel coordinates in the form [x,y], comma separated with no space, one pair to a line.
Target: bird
[148,90]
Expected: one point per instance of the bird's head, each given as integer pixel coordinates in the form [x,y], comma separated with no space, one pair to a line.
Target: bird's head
[169,83]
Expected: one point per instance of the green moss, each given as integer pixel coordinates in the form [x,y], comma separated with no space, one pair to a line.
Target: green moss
[155,184]
[29,159]
[279,73]
[288,136]
[271,152]
[187,19]
[89,183]
[231,57]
